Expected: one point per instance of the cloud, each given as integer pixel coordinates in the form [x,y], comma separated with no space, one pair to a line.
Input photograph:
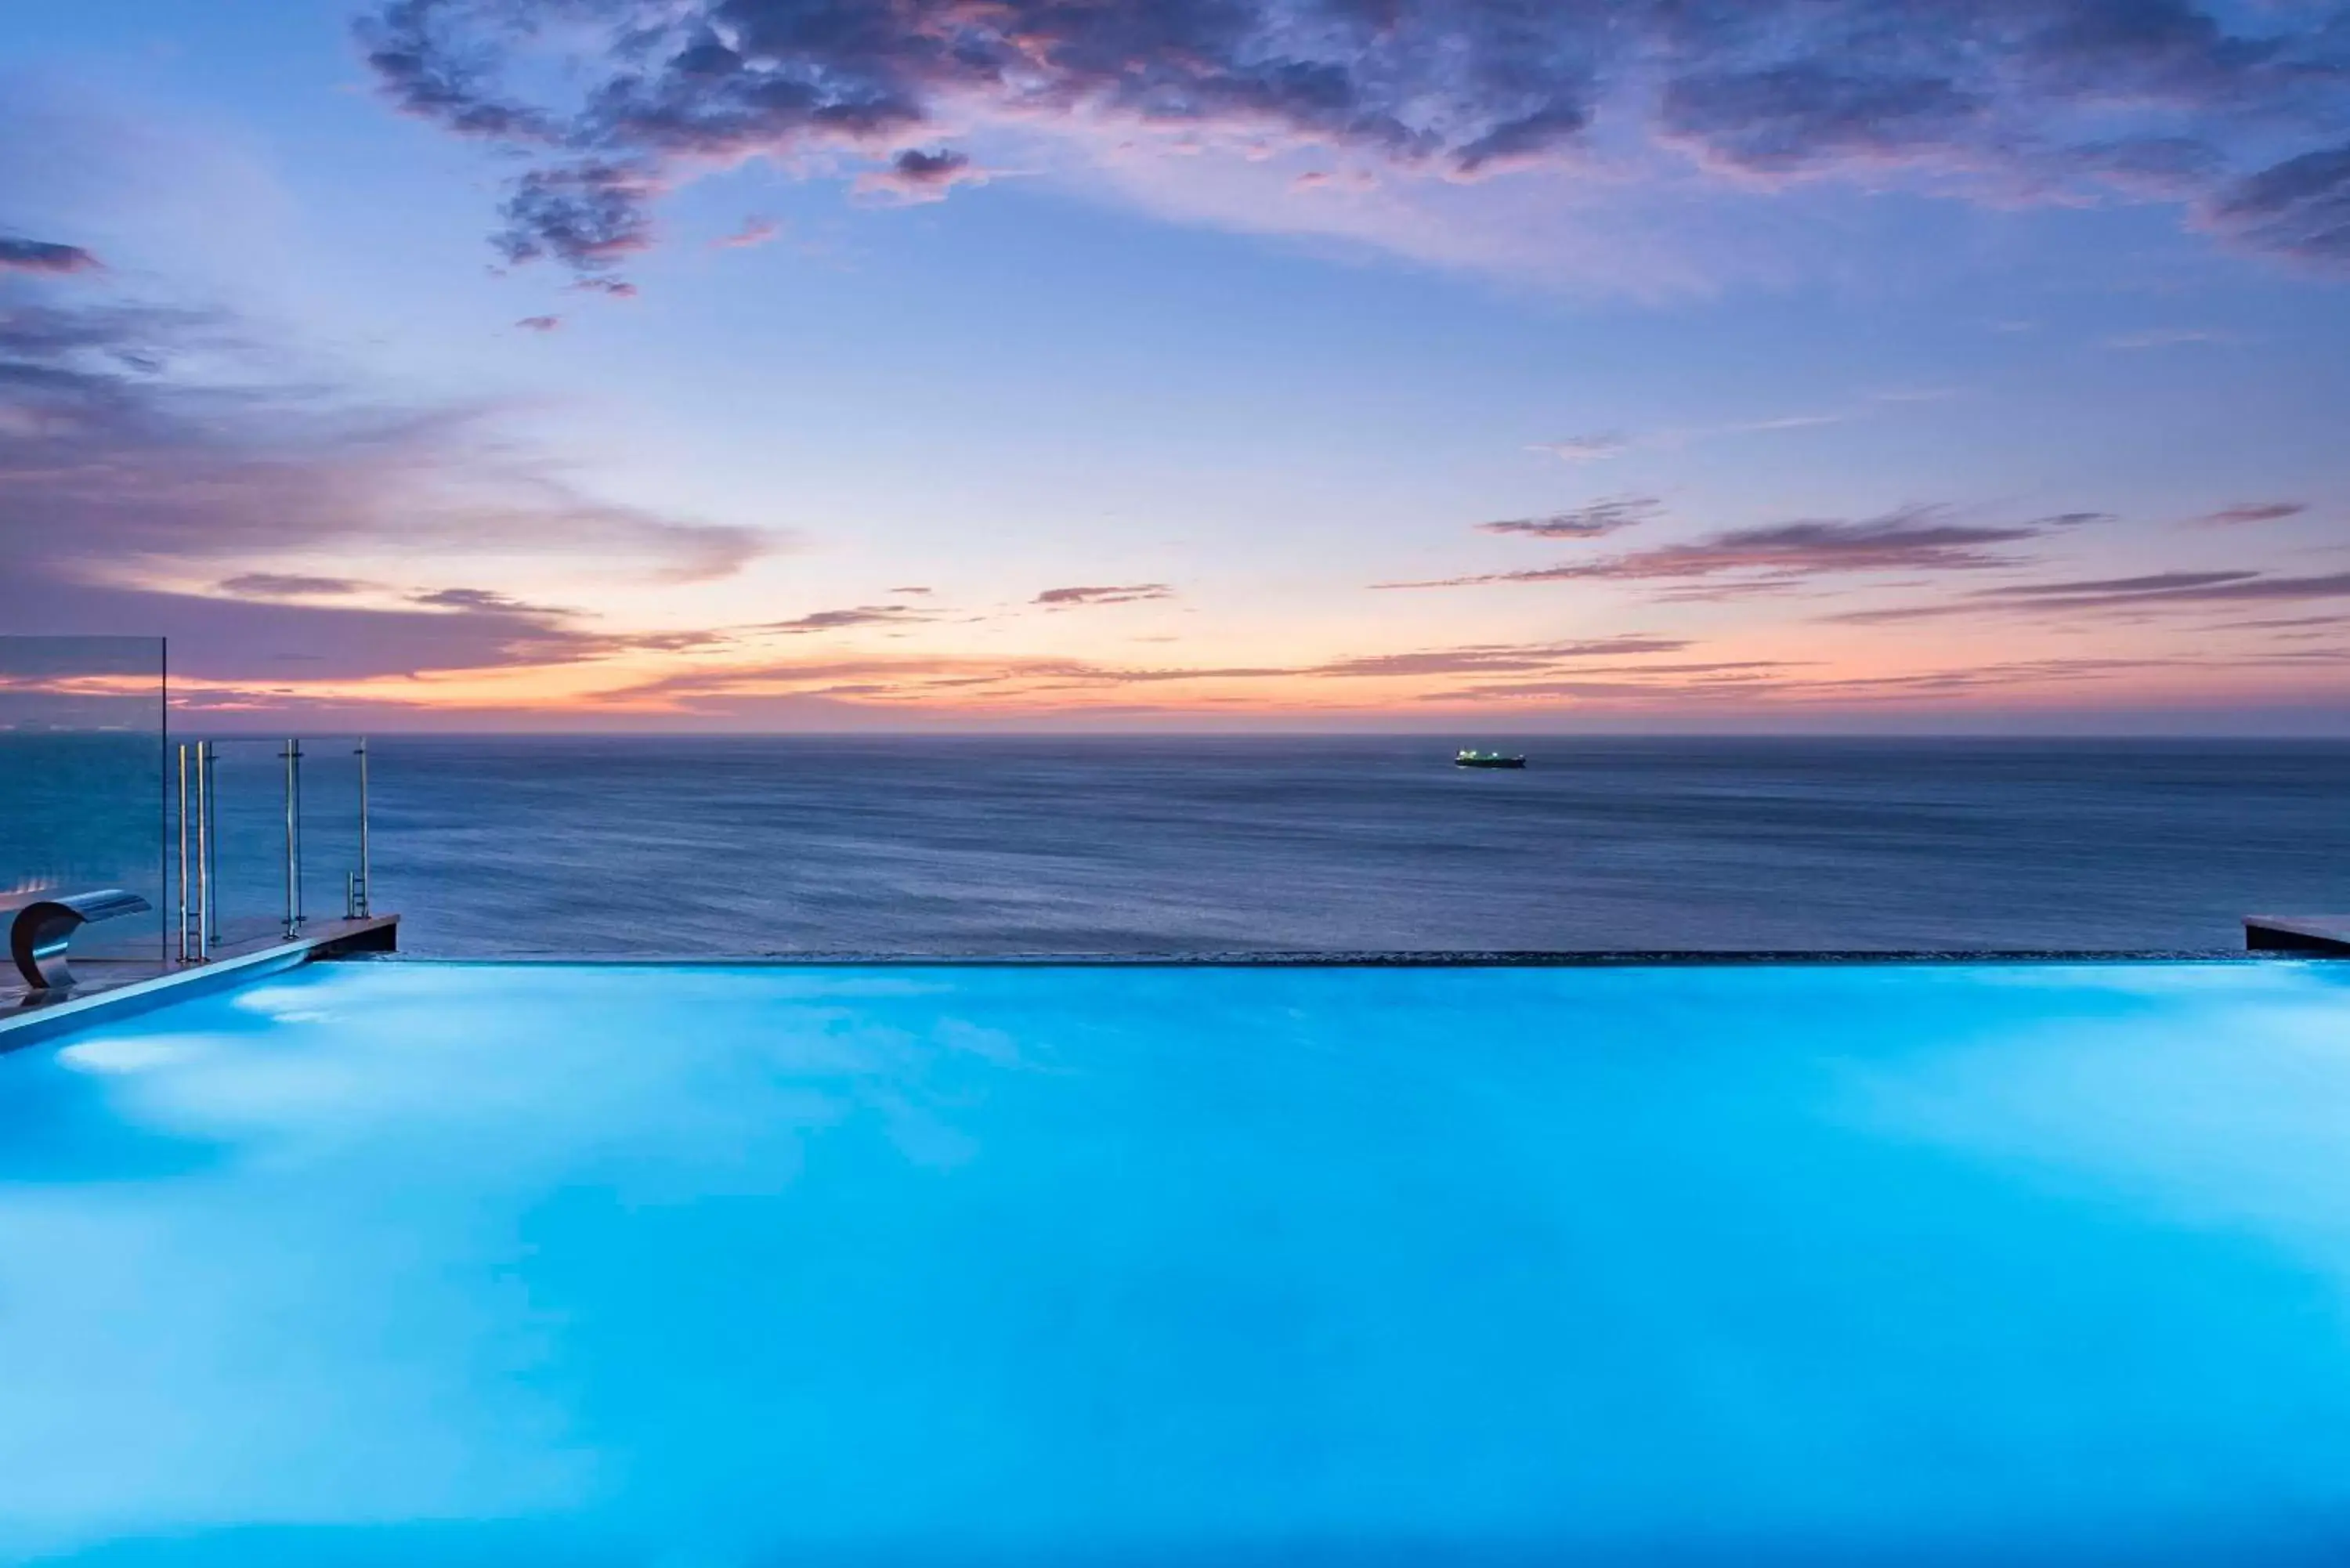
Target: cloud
[1591,522]
[1030,684]
[2193,587]
[540,323]
[1915,538]
[1583,448]
[1487,658]
[268,643]
[754,231]
[2299,208]
[2152,591]
[1779,422]
[44,256]
[2235,115]
[146,450]
[1803,115]
[1598,448]
[843,619]
[589,215]
[1064,599]
[111,455]
[2167,338]
[2255,512]
[2151,582]
[2299,623]
[479,599]
[287,585]
[915,175]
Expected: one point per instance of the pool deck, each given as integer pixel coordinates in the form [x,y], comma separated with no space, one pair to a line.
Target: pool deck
[112,986]
[2316,936]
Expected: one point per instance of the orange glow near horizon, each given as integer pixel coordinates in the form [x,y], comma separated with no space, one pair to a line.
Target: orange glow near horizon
[1765,672]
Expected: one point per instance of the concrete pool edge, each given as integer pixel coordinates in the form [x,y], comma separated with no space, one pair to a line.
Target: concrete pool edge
[1660,958]
[31,1022]
[372,941]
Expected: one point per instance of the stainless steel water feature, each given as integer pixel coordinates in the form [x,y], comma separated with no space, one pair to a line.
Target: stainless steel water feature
[43,930]
[200,837]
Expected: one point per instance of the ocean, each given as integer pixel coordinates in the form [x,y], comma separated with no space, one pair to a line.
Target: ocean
[1140,846]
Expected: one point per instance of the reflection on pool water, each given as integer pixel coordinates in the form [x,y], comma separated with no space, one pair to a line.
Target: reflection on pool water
[406,1263]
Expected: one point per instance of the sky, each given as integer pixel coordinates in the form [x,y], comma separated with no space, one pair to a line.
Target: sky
[1486,366]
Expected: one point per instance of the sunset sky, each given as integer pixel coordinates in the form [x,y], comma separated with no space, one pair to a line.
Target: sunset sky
[1483,366]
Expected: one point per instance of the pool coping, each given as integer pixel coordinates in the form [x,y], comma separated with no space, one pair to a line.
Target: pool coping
[1337,959]
[373,940]
[34,1019]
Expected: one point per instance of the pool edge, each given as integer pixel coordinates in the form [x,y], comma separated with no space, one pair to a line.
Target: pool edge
[35,1021]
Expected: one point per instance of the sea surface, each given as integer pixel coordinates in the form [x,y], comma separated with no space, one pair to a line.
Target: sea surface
[968,845]
[1142,846]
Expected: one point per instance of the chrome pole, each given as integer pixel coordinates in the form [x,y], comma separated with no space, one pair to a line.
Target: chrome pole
[183,852]
[366,905]
[207,854]
[293,755]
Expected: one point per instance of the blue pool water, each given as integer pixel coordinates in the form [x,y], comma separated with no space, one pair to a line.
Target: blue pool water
[412,1263]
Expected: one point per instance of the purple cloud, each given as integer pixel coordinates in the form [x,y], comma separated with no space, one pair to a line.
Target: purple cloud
[588,215]
[2195,588]
[286,585]
[1803,115]
[263,642]
[2299,208]
[843,619]
[479,599]
[116,464]
[1591,522]
[109,453]
[1498,656]
[2132,597]
[44,256]
[2151,582]
[754,231]
[1915,538]
[2029,99]
[2255,512]
[1065,598]
[918,176]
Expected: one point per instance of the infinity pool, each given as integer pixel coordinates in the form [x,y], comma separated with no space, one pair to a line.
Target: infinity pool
[407,1263]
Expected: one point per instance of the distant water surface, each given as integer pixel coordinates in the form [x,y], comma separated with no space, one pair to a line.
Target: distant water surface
[958,846]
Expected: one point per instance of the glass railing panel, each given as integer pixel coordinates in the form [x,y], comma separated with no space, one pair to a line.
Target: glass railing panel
[286,844]
[331,847]
[248,837]
[82,799]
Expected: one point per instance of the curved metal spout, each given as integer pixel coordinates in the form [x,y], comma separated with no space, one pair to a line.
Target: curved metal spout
[38,935]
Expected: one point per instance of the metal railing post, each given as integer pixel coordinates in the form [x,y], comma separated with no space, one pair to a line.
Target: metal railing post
[293,837]
[207,851]
[186,951]
[364,904]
